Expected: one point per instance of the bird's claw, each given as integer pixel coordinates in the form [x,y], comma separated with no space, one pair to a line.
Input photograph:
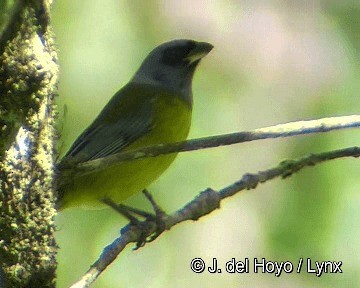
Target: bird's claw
[146,226]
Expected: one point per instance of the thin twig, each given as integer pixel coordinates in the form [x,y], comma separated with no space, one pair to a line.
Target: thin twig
[70,171]
[203,204]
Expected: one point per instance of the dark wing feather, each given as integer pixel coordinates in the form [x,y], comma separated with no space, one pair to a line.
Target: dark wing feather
[106,135]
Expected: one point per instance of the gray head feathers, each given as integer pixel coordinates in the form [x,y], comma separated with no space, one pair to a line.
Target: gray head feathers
[171,66]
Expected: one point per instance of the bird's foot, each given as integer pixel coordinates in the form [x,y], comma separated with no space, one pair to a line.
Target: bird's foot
[146,227]
[131,214]
[158,218]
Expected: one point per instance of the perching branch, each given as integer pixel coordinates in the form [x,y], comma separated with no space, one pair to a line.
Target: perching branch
[206,202]
[277,131]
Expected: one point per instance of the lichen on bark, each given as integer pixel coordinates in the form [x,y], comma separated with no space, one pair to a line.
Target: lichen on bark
[28,85]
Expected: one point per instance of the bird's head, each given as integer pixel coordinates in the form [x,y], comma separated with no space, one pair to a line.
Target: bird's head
[172,65]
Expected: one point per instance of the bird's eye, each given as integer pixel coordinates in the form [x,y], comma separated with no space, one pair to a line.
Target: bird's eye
[175,55]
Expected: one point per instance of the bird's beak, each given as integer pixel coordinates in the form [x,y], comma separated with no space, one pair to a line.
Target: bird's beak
[201,50]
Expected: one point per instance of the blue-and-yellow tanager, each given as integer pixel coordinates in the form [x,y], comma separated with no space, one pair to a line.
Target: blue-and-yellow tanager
[154,107]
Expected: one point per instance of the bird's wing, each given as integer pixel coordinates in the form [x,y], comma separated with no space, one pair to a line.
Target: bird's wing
[126,118]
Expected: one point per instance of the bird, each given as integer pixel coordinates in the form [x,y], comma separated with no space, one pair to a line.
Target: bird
[154,107]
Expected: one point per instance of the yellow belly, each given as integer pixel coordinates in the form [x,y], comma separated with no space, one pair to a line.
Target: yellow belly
[171,124]
[118,183]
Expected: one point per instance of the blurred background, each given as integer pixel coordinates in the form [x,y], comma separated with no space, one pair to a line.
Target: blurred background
[273,62]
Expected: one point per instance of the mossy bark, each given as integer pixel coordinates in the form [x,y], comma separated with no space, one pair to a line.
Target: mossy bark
[28,85]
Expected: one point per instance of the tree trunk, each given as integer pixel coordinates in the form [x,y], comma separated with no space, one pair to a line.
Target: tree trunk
[28,84]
